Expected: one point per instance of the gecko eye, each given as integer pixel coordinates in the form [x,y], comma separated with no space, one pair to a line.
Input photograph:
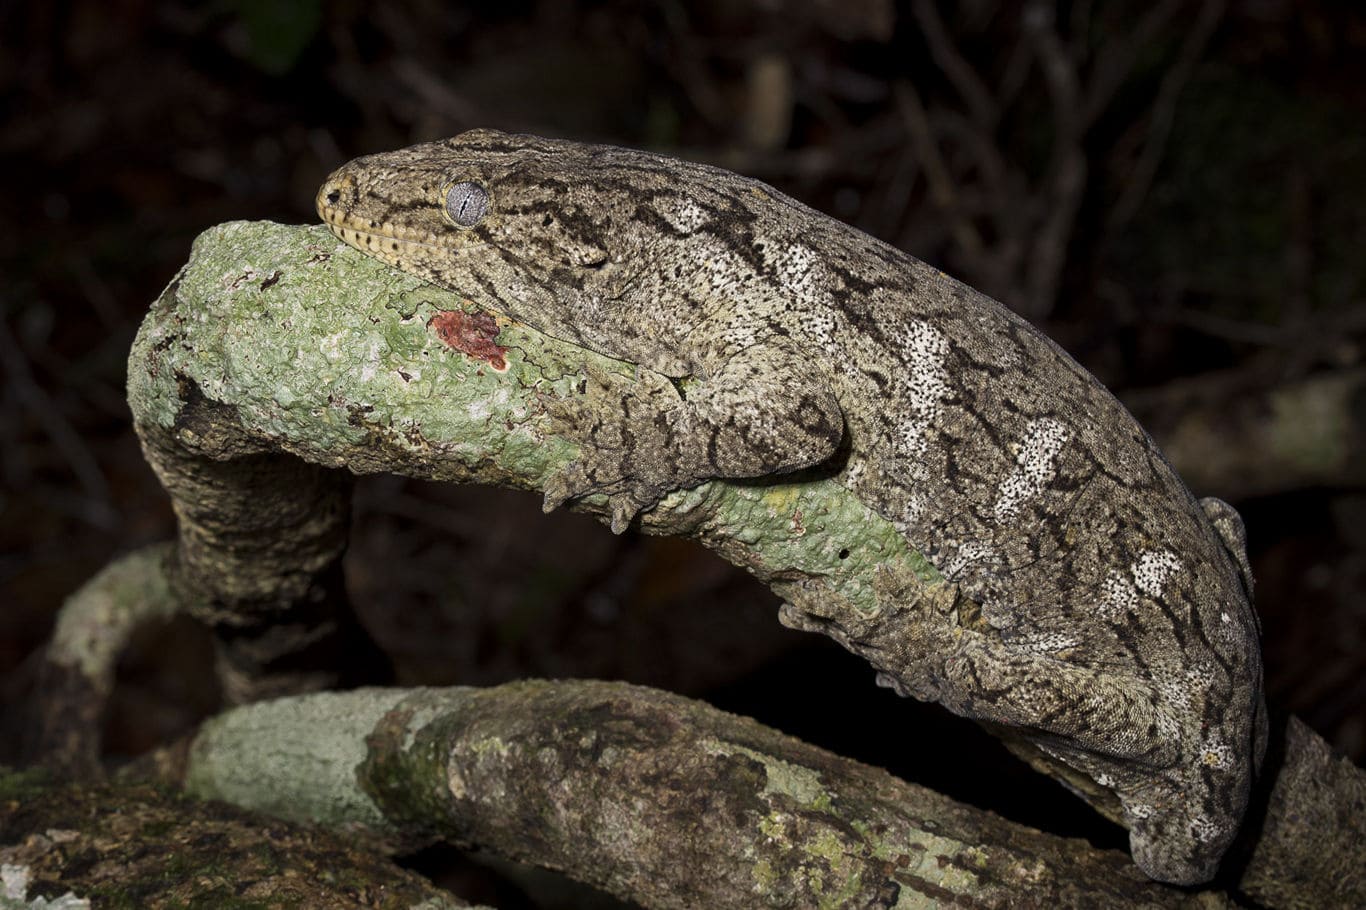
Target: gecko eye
[467,203]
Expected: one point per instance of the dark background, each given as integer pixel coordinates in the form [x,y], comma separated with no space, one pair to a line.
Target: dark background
[1172,190]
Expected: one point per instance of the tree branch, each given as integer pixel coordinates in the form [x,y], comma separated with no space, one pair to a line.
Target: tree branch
[277,342]
[648,795]
[62,720]
[1234,435]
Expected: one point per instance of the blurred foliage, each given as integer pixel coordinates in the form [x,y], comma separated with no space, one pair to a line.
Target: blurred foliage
[1253,171]
[276,32]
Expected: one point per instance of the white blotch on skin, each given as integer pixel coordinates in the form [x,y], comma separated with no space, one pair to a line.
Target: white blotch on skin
[970,553]
[925,386]
[1120,596]
[915,506]
[1199,678]
[686,217]
[1205,828]
[1152,570]
[1215,753]
[1146,578]
[1036,463]
[797,269]
[591,310]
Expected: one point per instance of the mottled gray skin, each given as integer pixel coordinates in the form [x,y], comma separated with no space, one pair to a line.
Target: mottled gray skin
[1093,607]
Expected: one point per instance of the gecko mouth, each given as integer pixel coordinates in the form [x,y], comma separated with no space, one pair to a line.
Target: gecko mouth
[383,242]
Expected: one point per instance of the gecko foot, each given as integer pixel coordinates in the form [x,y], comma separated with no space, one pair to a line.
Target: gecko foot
[627,432]
[571,482]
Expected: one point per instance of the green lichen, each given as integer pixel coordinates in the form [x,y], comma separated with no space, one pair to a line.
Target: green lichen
[298,332]
[406,768]
[252,757]
[489,747]
[845,880]
[765,877]
[327,353]
[799,783]
[814,528]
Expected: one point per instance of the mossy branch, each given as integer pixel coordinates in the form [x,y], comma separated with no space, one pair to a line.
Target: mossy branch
[653,797]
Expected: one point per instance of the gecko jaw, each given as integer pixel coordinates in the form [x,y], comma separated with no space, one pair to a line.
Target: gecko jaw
[387,245]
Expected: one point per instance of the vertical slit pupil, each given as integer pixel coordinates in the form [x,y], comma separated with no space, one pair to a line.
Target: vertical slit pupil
[467,203]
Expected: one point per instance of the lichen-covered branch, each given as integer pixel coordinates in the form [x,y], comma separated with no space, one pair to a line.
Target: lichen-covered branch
[651,796]
[261,536]
[1308,842]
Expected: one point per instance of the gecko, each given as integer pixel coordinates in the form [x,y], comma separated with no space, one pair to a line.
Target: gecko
[1095,608]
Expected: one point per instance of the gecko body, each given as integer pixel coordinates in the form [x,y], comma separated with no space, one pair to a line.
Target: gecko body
[1098,610]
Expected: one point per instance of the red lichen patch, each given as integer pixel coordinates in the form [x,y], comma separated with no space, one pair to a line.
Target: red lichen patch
[471,334]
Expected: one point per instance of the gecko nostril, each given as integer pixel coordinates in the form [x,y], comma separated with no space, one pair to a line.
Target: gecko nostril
[333,197]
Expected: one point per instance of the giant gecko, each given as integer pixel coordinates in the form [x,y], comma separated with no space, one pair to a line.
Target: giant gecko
[1098,610]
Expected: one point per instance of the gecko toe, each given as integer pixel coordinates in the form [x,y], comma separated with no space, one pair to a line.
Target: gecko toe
[568,483]
[624,511]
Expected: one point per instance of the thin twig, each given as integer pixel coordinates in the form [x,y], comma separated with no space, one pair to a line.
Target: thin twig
[978,99]
[1114,66]
[1065,181]
[1164,114]
[33,398]
[942,190]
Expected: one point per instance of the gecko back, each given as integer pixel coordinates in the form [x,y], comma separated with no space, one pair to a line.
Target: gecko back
[1093,607]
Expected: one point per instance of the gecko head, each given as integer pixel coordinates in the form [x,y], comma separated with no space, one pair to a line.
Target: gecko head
[530,227]
[551,232]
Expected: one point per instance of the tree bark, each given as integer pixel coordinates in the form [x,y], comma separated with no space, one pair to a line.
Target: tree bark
[133,845]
